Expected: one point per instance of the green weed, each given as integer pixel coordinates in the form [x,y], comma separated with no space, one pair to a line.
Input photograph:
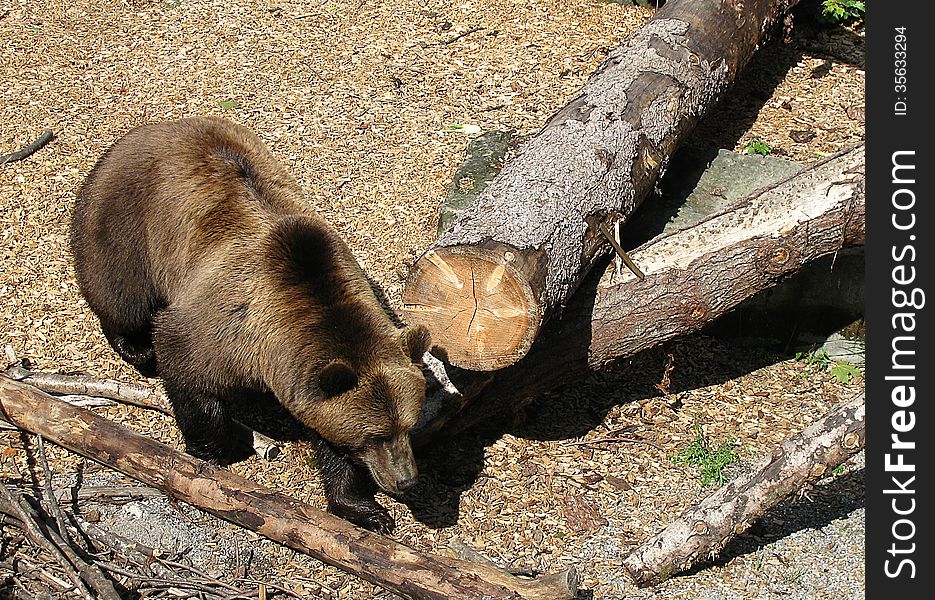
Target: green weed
[709,460]
[843,11]
[758,146]
[842,370]
[845,371]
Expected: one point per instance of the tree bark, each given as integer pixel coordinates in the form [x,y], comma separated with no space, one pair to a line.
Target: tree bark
[703,530]
[512,260]
[277,516]
[693,276]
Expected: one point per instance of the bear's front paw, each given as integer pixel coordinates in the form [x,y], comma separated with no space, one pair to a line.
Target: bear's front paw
[368,515]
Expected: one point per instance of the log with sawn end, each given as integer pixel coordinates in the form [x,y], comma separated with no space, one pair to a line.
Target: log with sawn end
[514,257]
[693,276]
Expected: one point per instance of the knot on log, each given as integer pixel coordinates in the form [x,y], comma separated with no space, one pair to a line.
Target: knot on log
[741,527]
[777,260]
[780,256]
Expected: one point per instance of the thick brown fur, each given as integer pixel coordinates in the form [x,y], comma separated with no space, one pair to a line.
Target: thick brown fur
[204,264]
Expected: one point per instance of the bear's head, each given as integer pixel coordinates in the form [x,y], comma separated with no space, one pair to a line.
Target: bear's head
[368,410]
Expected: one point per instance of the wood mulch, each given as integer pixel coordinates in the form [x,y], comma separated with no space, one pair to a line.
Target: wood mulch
[363,100]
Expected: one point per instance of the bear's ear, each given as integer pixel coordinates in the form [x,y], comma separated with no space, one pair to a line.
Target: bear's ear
[336,378]
[415,341]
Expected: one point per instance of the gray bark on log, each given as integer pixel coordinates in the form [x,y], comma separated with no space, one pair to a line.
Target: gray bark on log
[513,259]
[693,276]
[277,516]
[703,530]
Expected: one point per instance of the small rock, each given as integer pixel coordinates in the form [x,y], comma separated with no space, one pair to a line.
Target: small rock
[856,113]
[802,136]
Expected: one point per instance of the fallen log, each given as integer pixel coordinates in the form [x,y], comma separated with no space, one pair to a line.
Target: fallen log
[85,390]
[703,530]
[277,516]
[693,276]
[513,258]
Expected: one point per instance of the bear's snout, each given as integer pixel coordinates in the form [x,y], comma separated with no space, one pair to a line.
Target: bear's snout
[392,464]
[408,483]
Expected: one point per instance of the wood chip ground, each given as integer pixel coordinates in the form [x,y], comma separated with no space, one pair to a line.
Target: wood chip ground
[364,102]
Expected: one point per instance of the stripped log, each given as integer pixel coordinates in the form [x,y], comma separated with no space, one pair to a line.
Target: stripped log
[513,259]
[703,530]
[86,390]
[693,276]
[277,516]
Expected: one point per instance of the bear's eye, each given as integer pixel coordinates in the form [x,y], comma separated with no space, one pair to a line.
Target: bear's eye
[379,440]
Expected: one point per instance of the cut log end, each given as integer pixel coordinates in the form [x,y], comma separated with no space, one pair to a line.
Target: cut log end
[479,308]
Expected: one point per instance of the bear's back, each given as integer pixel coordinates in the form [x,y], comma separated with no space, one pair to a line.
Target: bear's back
[178,194]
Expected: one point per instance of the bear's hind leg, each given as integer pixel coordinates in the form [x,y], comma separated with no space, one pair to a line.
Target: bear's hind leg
[350,490]
[205,423]
[136,349]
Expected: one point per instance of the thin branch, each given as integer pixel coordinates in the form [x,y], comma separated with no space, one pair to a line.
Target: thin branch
[35,534]
[622,440]
[46,137]
[49,496]
[76,390]
[474,29]
[102,493]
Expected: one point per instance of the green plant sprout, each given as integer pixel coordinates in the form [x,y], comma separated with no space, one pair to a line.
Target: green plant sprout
[710,461]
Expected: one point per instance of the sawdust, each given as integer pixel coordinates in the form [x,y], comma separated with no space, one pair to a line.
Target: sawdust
[361,100]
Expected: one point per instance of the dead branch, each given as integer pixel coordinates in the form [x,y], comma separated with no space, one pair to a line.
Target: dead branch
[25,568]
[703,530]
[463,34]
[275,515]
[51,503]
[120,492]
[32,148]
[86,385]
[88,580]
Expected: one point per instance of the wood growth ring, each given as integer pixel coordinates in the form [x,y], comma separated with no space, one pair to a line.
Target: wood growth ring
[477,306]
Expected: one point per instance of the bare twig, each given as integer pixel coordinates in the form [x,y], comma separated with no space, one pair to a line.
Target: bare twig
[41,141]
[98,492]
[621,252]
[50,500]
[612,439]
[25,568]
[466,33]
[34,533]
[140,565]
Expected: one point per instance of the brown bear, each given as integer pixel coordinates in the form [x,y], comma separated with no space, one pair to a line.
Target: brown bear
[194,247]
